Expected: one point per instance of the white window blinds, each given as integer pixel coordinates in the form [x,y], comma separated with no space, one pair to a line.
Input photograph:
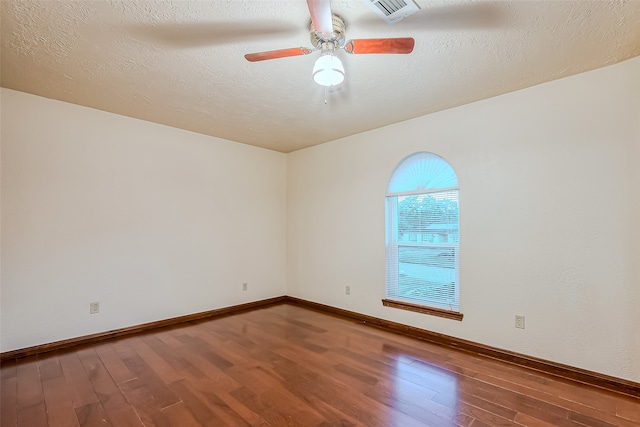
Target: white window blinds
[423,235]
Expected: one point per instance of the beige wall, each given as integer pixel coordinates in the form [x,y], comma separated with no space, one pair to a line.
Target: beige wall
[156,222]
[151,221]
[634,161]
[549,201]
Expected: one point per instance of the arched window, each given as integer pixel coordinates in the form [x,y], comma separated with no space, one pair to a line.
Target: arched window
[423,237]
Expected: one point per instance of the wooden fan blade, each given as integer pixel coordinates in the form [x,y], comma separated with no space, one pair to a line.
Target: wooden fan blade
[275,54]
[203,34]
[320,11]
[397,45]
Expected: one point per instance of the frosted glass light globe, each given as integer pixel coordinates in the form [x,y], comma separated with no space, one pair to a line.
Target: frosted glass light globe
[328,70]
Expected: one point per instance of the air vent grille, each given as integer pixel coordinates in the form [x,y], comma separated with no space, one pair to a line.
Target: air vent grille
[393,10]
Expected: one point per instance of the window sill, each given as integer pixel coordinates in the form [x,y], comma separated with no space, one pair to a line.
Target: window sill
[454,315]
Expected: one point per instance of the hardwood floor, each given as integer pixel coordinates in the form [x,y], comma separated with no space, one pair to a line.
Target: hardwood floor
[285,365]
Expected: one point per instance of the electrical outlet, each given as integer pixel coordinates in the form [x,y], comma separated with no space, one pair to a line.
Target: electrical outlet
[519,322]
[347,290]
[245,286]
[94,307]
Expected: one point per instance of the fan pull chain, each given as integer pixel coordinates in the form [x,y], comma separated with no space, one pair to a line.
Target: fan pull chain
[325,95]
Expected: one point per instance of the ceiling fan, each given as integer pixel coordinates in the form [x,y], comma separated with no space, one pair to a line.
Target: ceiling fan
[328,36]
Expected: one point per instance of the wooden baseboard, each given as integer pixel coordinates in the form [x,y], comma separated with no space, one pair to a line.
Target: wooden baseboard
[606,382]
[101,336]
[617,385]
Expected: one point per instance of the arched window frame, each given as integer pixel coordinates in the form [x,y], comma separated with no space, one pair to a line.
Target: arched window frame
[422,235]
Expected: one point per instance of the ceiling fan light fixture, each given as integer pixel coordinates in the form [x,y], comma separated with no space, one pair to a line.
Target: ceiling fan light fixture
[328,70]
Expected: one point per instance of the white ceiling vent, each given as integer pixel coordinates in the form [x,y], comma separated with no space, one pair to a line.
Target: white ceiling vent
[393,10]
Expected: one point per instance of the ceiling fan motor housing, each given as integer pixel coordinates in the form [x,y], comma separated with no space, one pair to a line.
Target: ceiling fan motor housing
[337,37]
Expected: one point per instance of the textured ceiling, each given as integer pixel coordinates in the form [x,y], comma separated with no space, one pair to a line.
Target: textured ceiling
[181,63]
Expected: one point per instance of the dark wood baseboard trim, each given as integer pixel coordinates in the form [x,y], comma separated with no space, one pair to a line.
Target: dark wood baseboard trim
[101,336]
[583,376]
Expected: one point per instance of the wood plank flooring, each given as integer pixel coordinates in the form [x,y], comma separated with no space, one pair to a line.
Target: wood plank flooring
[286,365]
